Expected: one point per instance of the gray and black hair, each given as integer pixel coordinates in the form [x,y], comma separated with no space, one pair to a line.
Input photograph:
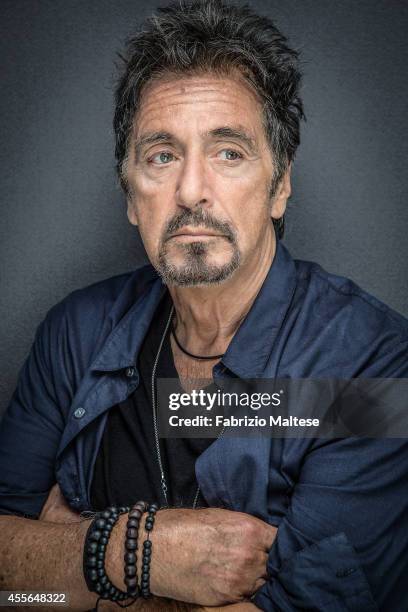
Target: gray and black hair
[212,36]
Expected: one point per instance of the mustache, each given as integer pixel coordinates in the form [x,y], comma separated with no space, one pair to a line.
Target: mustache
[198,218]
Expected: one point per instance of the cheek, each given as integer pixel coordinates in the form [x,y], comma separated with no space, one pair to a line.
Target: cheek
[145,190]
[246,203]
[151,201]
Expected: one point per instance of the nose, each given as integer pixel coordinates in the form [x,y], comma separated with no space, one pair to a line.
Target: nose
[192,188]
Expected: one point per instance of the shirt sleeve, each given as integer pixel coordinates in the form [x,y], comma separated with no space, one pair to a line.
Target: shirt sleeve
[33,423]
[342,544]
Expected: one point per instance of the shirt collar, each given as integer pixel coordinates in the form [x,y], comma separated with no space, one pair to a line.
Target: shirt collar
[123,344]
[251,346]
[248,352]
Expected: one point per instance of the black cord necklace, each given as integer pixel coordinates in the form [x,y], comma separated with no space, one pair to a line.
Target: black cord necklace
[173,331]
[163,480]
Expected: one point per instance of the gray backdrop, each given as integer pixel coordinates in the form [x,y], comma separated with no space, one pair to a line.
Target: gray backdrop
[63,222]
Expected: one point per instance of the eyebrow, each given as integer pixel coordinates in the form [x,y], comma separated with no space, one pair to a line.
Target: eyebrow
[237,133]
[151,138]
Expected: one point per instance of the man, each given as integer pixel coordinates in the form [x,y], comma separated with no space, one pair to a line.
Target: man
[207,125]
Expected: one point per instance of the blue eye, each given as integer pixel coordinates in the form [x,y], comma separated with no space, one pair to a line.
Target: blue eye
[230,155]
[162,158]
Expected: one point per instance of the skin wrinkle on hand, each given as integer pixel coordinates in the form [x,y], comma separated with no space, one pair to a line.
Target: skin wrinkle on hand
[56,510]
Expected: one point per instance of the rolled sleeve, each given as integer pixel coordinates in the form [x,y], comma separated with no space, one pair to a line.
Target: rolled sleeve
[342,543]
[324,576]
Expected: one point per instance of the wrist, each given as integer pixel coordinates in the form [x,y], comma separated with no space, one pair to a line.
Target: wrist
[157,563]
[141,536]
[115,552]
[160,539]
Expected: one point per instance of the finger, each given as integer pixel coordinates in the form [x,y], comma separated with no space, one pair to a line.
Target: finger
[54,492]
[269,537]
[264,566]
[56,500]
[56,509]
[52,495]
[258,583]
[59,499]
[259,569]
[255,586]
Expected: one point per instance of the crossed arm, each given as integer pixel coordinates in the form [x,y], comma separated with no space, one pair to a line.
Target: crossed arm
[48,554]
[343,530]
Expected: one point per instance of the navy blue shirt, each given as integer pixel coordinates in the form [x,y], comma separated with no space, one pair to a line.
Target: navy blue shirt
[340,506]
[126,468]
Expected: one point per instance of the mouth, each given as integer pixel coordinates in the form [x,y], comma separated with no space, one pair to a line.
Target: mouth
[196,234]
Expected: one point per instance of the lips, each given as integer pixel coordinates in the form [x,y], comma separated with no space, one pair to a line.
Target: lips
[194,233]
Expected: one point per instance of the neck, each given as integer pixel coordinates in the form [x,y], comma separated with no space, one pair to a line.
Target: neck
[207,317]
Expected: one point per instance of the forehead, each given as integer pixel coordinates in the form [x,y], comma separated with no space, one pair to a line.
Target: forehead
[198,102]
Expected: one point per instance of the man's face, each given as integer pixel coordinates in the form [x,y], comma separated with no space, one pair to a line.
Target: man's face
[200,176]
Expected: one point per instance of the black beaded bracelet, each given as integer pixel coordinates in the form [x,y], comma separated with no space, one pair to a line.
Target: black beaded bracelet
[132,532]
[147,552]
[96,540]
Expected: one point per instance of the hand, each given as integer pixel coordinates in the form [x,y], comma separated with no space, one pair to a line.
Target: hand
[56,509]
[209,557]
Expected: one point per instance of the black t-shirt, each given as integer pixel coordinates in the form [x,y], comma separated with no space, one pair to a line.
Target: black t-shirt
[126,468]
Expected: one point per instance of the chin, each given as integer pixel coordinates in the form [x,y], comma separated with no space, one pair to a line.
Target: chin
[197,273]
[197,265]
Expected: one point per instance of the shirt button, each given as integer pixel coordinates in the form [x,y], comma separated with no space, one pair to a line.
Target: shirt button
[130,372]
[79,412]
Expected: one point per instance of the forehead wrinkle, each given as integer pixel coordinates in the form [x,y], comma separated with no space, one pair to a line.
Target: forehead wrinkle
[184,99]
[153,113]
[188,83]
[170,94]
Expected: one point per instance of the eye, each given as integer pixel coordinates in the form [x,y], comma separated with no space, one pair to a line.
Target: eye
[164,157]
[230,155]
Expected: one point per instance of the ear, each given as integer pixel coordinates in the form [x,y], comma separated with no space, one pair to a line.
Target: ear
[131,211]
[282,195]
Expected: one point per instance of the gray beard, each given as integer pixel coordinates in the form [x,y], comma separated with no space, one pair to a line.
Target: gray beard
[195,271]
